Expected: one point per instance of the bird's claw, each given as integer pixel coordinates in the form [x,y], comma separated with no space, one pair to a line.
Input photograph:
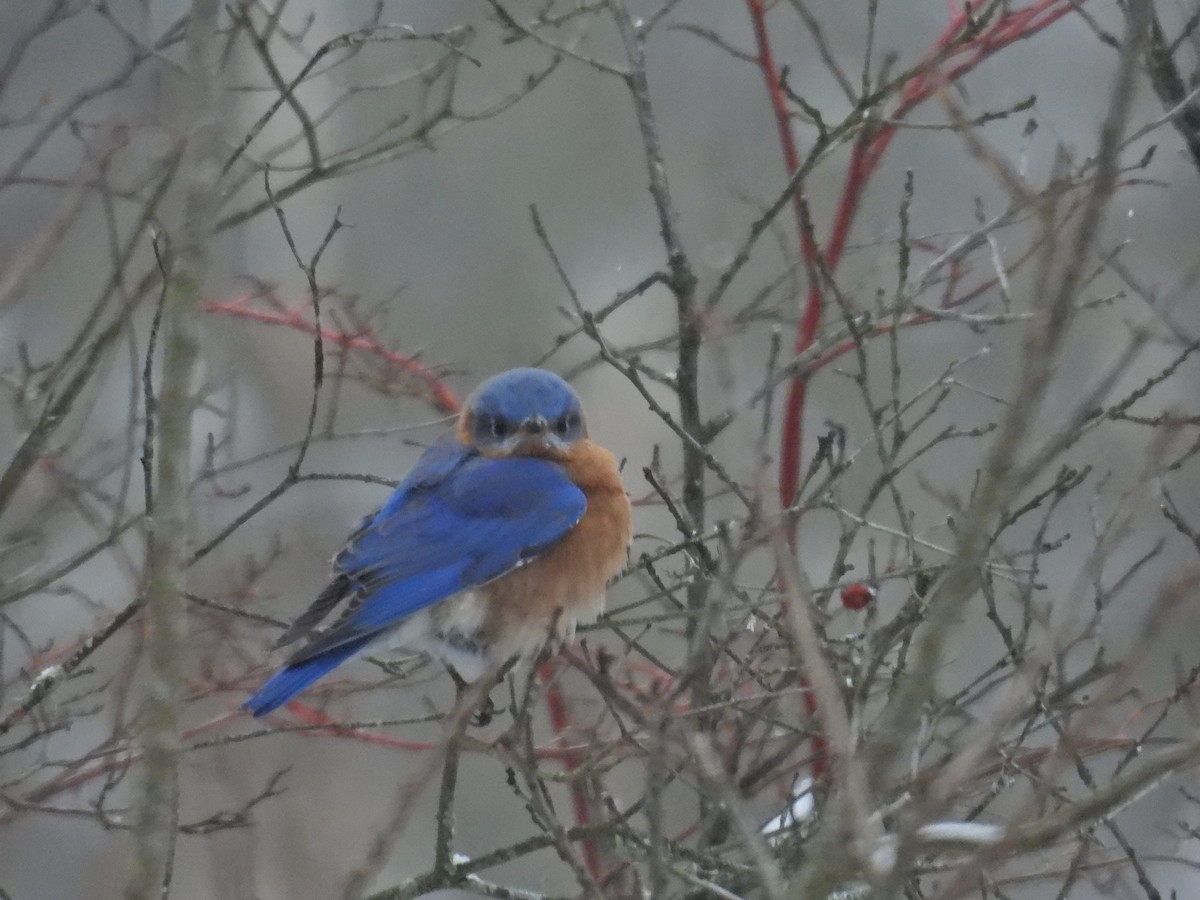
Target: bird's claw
[485,712]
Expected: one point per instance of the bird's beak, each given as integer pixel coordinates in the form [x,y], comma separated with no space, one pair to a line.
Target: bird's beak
[535,427]
[535,435]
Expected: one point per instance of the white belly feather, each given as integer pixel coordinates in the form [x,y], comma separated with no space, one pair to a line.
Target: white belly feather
[453,631]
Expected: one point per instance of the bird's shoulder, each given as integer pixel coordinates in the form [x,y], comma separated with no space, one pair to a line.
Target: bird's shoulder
[458,474]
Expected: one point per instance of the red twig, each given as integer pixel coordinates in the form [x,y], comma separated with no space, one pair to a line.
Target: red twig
[569,755]
[311,716]
[108,765]
[868,150]
[560,720]
[865,156]
[432,387]
[444,400]
[810,320]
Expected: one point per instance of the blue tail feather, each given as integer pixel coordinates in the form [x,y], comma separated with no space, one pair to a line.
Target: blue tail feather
[291,680]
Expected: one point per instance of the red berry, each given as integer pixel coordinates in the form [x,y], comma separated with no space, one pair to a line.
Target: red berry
[857,596]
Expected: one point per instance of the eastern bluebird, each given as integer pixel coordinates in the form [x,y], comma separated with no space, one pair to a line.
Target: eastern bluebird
[502,538]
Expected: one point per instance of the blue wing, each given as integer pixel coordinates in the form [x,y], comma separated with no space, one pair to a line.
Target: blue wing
[457,521]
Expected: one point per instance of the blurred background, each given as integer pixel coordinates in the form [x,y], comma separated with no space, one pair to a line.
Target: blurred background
[434,151]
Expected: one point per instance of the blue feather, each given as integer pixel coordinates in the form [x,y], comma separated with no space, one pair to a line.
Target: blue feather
[457,521]
[291,680]
[521,393]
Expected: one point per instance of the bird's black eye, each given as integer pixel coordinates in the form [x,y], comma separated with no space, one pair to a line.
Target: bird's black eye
[567,424]
[499,428]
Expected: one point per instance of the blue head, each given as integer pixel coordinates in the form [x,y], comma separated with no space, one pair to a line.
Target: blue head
[524,412]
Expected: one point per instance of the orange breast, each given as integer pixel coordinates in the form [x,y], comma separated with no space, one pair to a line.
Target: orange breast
[572,574]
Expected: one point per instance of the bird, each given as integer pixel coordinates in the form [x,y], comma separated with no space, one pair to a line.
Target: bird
[502,538]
